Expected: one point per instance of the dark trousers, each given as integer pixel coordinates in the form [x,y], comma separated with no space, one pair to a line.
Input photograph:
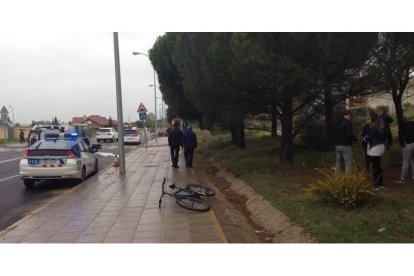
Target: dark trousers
[388,138]
[21,140]
[367,157]
[377,170]
[188,155]
[174,154]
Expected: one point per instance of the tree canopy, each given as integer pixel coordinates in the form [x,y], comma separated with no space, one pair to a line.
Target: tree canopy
[218,79]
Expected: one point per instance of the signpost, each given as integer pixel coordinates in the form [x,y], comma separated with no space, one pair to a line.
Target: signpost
[142,114]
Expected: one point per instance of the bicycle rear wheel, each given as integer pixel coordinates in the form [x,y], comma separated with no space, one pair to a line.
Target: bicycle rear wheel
[192,203]
[205,191]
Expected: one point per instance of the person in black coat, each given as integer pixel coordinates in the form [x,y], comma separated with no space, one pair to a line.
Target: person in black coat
[344,136]
[375,138]
[189,142]
[365,144]
[387,121]
[174,141]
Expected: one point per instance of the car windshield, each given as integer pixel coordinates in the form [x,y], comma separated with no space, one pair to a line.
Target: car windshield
[104,130]
[58,145]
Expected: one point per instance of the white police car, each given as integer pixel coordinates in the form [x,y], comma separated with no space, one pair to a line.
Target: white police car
[57,158]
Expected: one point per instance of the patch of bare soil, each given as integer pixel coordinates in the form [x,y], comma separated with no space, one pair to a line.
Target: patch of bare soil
[245,216]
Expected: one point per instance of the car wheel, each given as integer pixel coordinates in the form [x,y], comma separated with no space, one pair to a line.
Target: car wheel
[83,175]
[95,171]
[29,183]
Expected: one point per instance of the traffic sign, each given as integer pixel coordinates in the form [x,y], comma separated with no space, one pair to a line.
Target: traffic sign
[141,108]
[142,116]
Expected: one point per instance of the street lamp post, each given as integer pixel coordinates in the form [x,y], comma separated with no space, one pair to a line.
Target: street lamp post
[162,107]
[155,97]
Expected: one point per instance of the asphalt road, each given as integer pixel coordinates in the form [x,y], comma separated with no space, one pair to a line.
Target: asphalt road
[16,200]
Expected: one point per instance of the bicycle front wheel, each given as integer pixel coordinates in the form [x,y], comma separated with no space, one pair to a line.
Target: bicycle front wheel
[204,191]
[192,203]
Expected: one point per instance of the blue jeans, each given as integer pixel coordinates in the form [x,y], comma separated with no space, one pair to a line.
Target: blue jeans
[408,159]
[343,159]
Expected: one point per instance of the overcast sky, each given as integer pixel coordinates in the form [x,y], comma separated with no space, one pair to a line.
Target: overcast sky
[67,74]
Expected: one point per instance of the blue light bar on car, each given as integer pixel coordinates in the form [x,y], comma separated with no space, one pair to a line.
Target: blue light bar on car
[71,135]
[51,136]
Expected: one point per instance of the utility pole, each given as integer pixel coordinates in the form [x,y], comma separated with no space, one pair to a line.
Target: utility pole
[121,148]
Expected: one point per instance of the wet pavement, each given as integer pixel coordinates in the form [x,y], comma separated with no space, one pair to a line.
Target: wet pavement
[109,208]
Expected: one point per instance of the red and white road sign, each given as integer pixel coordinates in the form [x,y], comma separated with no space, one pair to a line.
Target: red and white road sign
[141,108]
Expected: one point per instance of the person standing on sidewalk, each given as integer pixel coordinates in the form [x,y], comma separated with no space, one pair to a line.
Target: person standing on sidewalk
[406,137]
[21,136]
[189,142]
[174,141]
[344,138]
[375,138]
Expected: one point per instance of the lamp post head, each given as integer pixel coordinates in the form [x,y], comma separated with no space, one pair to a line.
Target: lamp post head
[138,53]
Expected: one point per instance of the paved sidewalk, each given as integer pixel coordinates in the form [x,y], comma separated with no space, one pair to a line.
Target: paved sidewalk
[109,209]
[10,146]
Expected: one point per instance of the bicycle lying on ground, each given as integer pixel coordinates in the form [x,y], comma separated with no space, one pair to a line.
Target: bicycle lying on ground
[189,197]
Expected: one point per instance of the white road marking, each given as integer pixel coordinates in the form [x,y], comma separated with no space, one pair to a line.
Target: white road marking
[9,160]
[7,178]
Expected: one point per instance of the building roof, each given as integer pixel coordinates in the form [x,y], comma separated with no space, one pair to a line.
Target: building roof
[97,119]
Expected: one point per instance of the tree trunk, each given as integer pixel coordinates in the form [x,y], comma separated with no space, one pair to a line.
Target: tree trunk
[398,109]
[329,119]
[286,119]
[274,121]
[233,133]
[239,134]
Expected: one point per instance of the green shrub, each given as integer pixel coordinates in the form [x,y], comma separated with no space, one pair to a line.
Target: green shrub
[347,190]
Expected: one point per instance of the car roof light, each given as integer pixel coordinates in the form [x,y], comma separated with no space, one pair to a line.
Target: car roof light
[71,135]
[51,136]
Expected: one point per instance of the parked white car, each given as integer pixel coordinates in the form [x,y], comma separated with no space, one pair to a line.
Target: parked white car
[106,134]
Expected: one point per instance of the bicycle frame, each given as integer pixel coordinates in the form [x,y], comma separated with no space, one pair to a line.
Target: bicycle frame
[185,198]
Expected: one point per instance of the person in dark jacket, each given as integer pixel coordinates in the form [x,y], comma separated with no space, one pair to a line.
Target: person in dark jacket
[406,138]
[344,138]
[21,136]
[387,120]
[375,138]
[189,142]
[174,141]
[364,145]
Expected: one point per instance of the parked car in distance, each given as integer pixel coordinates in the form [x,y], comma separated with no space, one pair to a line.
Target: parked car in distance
[49,127]
[106,133]
[132,136]
[165,132]
[57,158]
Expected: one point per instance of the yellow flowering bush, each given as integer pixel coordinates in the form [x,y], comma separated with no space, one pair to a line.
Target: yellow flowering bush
[347,190]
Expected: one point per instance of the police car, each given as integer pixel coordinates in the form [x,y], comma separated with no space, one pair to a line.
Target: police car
[58,158]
